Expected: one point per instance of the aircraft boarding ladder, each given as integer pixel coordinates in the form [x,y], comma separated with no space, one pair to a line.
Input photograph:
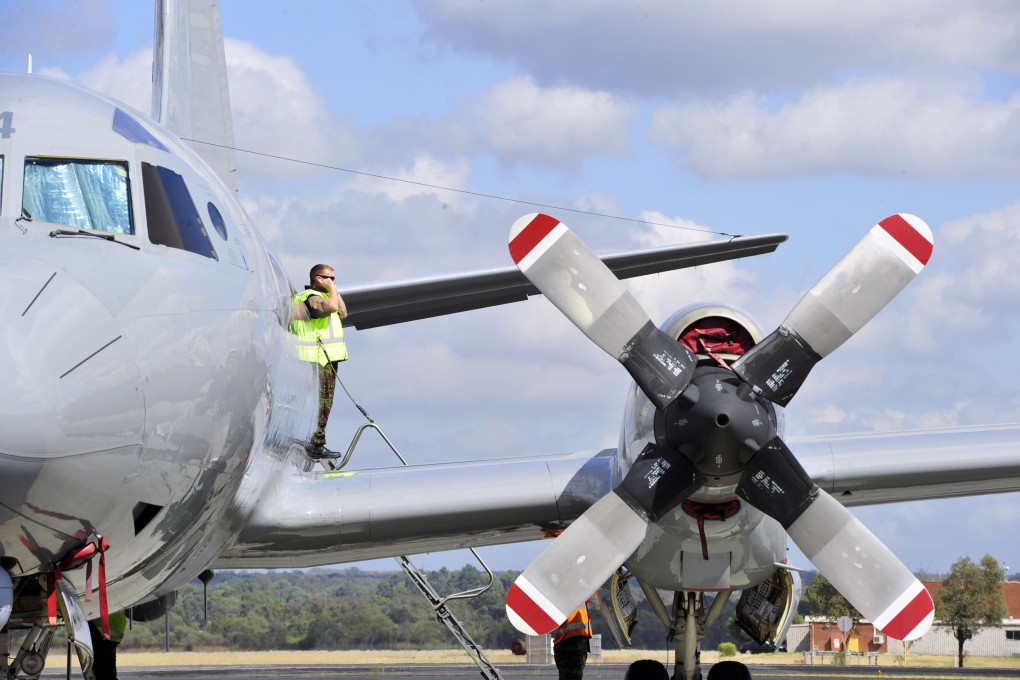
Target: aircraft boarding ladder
[439,604]
[446,616]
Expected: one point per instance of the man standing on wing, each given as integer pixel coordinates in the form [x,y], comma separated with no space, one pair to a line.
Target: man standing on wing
[317,321]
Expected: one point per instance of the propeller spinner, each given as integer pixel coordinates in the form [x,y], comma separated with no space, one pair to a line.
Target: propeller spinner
[853,559]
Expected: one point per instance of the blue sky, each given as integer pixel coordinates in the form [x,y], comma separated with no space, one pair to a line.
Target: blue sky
[738,117]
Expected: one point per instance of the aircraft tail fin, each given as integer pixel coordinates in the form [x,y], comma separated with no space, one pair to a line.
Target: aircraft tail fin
[189,81]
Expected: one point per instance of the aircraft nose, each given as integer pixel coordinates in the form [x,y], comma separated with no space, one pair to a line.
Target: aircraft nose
[69,383]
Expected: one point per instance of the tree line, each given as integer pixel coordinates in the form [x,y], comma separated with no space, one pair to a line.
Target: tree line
[355,609]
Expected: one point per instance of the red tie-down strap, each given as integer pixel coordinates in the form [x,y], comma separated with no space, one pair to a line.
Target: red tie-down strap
[703,511]
[52,579]
[73,560]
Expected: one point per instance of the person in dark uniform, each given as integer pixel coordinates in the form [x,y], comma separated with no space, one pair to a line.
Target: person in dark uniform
[570,644]
[104,661]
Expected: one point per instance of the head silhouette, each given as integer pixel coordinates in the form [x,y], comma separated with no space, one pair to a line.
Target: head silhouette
[729,670]
[646,669]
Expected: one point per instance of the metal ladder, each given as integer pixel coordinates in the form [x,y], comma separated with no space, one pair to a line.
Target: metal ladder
[443,613]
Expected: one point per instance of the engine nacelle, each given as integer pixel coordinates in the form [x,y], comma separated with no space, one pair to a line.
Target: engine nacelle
[745,543]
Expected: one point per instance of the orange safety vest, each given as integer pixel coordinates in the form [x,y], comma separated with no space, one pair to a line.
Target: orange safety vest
[579,623]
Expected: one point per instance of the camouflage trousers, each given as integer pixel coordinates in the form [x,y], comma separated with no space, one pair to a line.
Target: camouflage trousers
[570,656]
[327,386]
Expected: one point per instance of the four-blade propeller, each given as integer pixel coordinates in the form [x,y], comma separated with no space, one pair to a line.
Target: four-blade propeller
[586,554]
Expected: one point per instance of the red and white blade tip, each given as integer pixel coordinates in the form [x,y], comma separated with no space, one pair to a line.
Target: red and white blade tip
[531,236]
[909,616]
[911,238]
[529,611]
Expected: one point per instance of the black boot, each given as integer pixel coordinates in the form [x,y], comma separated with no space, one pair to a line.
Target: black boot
[320,452]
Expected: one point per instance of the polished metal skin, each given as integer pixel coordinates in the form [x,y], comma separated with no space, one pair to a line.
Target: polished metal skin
[152,397]
[150,394]
[317,517]
[149,382]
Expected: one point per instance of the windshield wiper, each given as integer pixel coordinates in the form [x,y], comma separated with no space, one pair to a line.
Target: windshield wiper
[81,232]
[24,217]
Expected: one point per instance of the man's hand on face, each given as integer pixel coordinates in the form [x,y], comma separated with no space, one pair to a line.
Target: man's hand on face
[324,282]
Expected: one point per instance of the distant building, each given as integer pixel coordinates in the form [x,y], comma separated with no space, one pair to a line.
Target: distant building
[824,636]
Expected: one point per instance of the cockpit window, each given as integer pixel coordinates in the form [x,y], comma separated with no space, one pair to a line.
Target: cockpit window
[84,194]
[217,221]
[170,212]
[131,130]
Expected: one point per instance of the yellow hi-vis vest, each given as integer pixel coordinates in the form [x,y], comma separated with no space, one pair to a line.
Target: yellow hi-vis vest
[118,626]
[319,341]
[579,623]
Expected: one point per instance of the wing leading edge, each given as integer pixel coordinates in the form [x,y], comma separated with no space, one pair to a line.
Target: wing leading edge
[308,519]
[313,518]
[892,467]
[391,303]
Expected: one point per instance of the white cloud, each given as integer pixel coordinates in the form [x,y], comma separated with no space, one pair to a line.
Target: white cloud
[128,80]
[707,48]
[665,293]
[884,126]
[938,355]
[427,176]
[277,111]
[829,415]
[968,290]
[512,121]
[556,125]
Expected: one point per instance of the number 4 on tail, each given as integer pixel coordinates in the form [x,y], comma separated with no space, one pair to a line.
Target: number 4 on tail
[6,122]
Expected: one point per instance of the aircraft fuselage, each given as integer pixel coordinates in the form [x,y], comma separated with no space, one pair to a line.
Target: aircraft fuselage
[136,350]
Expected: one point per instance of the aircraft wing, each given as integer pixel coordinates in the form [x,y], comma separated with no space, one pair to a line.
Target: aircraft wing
[312,518]
[867,469]
[395,302]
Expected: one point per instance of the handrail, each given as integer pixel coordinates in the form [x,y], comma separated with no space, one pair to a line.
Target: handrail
[354,443]
[471,592]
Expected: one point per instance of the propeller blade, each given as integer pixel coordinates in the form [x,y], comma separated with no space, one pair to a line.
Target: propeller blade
[574,279]
[852,558]
[875,270]
[579,561]
[587,553]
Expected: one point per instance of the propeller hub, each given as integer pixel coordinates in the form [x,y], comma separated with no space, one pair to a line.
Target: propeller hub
[724,427]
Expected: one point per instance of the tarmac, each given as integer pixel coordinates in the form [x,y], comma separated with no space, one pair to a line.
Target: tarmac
[532,672]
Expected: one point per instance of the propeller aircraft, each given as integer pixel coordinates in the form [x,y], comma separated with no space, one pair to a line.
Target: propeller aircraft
[153,416]
[704,434]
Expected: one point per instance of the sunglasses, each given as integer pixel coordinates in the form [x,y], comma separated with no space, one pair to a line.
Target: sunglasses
[331,278]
